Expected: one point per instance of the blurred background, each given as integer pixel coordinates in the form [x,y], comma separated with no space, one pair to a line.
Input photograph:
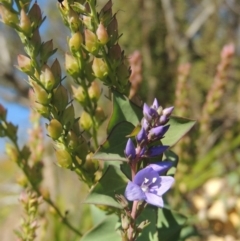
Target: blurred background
[185,53]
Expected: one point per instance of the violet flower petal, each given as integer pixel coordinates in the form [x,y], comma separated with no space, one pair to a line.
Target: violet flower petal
[161,167]
[146,112]
[168,111]
[159,131]
[134,192]
[166,183]
[142,175]
[155,104]
[154,200]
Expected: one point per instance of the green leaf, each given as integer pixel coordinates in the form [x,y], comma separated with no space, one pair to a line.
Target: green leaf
[124,110]
[103,231]
[113,148]
[169,224]
[178,128]
[171,156]
[112,182]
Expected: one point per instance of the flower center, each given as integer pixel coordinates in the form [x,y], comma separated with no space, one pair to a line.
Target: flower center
[145,185]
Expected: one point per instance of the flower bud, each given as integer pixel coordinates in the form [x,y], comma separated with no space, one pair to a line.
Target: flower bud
[80,95]
[68,117]
[94,91]
[115,52]
[64,159]
[141,136]
[72,140]
[73,20]
[113,31]
[41,95]
[25,23]
[47,77]
[35,40]
[75,42]
[71,65]
[41,109]
[56,70]
[46,50]
[85,121]
[54,129]
[155,104]
[60,98]
[25,64]
[100,68]
[102,34]
[91,165]
[157,132]
[130,151]
[125,221]
[8,17]
[91,41]
[35,15]
[123,74]
[100,115]
[168,111]
[82,149]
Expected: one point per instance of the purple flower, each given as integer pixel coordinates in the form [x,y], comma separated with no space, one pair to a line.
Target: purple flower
[141,136]
[149,186]
[158,132]
[149,113]
[130,150]
[155,104]
[168,111]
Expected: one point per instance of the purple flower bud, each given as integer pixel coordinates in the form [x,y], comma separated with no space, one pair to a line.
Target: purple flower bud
[146,112]
[145,124]
[130,150]
[155,104]
[158,132]
[168,111]
[163,120]
[141,136]
[156,150]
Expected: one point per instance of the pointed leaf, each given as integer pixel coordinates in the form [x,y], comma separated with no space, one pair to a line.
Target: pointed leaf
[113,148]
[178,128]
[112,182]
[124,110]
[103,231]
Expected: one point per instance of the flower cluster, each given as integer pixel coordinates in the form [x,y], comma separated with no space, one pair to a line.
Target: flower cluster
[153,128]
[147,185]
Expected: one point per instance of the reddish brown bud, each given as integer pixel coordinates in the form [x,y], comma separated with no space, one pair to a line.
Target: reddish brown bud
[56,70]
[102,34]
[46,50]
[54,129]
[60,98]
[3,113]
[35,15]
